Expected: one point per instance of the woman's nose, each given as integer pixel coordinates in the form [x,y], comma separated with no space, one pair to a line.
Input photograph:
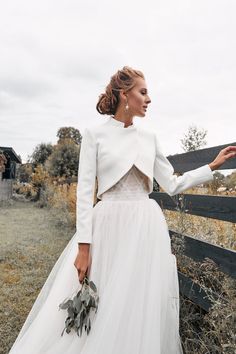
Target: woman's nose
[148,100]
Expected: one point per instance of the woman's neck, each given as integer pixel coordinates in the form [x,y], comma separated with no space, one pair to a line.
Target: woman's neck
[126,118]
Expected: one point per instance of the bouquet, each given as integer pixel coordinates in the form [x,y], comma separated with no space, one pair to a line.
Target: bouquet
[79,308]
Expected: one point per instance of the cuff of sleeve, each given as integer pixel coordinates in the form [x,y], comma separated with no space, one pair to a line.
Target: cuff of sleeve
[82,239]
[206,173]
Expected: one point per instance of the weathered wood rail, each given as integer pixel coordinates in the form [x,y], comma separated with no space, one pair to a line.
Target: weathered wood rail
[216,207]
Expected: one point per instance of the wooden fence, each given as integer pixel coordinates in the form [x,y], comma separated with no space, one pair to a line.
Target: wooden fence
[216,207]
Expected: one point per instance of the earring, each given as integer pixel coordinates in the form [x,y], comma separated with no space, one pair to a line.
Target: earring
[126,106]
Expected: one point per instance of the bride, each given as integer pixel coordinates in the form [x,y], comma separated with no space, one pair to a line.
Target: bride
[122,242]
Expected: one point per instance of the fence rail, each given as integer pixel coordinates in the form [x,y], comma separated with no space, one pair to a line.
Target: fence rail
[198,250]
[193,159]
[216,207]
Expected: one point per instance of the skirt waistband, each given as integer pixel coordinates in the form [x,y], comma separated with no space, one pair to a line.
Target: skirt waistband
[124,196]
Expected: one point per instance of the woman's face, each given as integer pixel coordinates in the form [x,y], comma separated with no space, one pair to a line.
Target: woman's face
[138,98]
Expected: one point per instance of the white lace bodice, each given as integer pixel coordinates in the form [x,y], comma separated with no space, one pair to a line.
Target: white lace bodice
[133,185]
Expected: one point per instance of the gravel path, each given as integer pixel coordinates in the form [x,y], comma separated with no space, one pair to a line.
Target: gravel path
[30,243]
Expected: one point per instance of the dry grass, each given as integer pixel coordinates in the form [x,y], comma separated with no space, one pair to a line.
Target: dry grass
[31,241]
[202,332]
[217,232]
[210,332]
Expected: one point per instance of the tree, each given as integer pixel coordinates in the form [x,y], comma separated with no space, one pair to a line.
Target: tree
[194,139]
[3,161]
[69,134]
[40,154]
[24,172]
[63,162]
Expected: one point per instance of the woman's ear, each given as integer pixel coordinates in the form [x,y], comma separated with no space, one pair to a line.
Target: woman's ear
[123,95]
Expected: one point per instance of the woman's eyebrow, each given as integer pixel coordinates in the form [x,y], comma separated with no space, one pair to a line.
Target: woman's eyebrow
[144,89]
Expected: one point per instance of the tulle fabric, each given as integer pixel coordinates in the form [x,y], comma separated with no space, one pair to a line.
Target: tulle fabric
[136,277]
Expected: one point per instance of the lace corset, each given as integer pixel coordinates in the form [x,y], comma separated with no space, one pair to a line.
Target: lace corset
[133,185]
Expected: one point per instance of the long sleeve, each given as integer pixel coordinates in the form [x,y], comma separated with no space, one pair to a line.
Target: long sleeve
[86,187]
[172,184]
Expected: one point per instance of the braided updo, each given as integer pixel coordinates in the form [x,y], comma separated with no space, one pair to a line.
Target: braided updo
[122,79]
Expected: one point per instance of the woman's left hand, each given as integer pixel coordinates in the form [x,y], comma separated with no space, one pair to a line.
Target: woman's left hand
[224,155]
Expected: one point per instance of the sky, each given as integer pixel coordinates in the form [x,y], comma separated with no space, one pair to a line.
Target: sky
[56,58]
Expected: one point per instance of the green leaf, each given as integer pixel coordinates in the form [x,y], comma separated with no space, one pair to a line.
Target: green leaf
[92,286]
[88,299]
[79,307]
[84,295]
[77,303]
[71,312]
[66,304]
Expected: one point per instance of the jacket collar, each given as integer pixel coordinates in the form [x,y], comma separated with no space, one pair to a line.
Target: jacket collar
[118,123]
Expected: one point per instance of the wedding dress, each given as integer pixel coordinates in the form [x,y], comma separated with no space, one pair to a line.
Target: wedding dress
[136,277]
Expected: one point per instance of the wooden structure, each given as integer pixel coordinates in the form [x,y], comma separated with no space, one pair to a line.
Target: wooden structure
[216,207]
[9,161]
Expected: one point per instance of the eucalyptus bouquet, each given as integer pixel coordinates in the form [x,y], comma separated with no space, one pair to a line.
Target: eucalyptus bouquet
[79,308]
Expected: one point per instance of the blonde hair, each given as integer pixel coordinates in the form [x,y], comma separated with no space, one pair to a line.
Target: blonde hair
[122,79]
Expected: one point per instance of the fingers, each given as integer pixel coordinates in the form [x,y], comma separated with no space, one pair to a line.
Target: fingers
[230,154]
[82,264]
[229,149]
[224,155]
[81,274]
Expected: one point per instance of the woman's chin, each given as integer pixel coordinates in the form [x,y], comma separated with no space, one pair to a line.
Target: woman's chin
[140,114]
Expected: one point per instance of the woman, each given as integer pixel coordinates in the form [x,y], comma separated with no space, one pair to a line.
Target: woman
[123,241]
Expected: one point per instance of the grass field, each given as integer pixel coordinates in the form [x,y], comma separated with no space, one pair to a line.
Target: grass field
[31,240]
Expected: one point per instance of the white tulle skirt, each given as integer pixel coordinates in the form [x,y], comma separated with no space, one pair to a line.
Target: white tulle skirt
[136,277]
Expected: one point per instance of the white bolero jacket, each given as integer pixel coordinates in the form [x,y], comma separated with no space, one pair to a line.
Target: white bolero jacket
[108,151]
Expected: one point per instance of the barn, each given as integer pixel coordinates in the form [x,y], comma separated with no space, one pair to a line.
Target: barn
[8,164]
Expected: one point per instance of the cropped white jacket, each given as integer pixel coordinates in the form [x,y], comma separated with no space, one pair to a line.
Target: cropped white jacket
[108,151]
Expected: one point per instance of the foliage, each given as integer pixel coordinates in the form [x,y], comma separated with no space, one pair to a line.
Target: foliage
[24,172]
[217,182]
[36,181]
[208,332]
[64,160]
[27,190]
[3,161]
[60,160]
[230,181]
[194,139]
[78,308]
[69,134]
[203,332]
[40,154]
[39,176]
[61,198]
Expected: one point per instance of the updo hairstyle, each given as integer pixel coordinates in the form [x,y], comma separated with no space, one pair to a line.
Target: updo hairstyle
[122,79]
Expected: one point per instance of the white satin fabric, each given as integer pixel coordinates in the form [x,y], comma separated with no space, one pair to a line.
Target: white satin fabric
[136,276]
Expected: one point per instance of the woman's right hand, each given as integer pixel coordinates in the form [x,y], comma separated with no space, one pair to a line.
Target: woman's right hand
[224,155]
[83,262]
